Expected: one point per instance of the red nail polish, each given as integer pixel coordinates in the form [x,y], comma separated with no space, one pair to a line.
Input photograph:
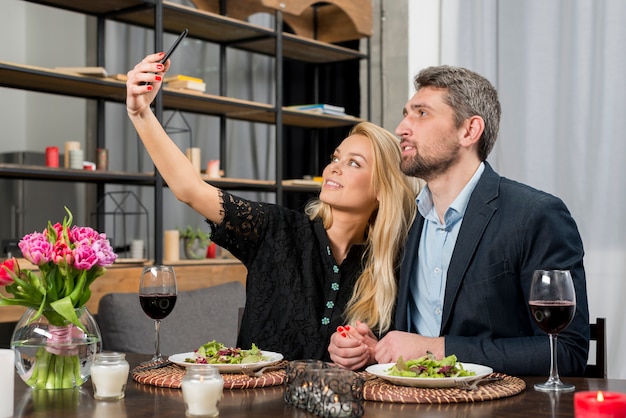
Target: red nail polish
[159,66]
[347,327]
[339,329]
[343,334]
[149,87]
[161,54]
[157,77]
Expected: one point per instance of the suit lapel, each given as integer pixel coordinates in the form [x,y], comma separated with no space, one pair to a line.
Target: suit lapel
[477,216]
[406,272]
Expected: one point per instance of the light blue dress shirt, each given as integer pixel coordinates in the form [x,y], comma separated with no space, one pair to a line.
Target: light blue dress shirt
[425,308]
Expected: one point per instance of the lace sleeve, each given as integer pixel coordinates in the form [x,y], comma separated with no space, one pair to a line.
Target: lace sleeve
[246,225]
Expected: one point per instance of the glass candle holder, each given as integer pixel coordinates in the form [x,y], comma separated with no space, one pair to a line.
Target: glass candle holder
[202,388]
[109,374]
[336,392]
[297,381]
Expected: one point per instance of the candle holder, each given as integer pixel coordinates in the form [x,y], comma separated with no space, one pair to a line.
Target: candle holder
[109,374]
[203,388]
[323,389]
[336,393]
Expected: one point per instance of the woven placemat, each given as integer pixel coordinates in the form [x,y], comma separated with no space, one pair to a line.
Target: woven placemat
[377,389]
[171,376]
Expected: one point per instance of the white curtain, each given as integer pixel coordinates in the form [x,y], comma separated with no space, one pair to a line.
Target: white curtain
[560,69]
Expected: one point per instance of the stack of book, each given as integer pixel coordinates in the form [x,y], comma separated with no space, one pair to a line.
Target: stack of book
[323,108]
[180,81]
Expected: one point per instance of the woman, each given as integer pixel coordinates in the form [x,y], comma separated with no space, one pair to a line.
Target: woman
[307,273]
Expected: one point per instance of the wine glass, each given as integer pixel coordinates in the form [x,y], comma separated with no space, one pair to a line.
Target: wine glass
[157,295]
[553,304]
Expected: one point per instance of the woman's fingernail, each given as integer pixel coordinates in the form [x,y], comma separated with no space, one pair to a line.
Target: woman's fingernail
[161,54]
[149,87]
[347,327]
[160,66]
[343,334]
[339,329]
[157,77]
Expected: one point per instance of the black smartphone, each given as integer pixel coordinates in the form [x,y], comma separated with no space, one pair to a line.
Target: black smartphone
[174,45]
[171,50]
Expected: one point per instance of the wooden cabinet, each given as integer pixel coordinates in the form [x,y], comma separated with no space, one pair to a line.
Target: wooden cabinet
[168,17]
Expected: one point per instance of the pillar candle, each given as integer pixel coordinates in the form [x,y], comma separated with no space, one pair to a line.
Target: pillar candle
[70,145]
[213,168]
[599,405]
[194,156]
[52,156]
[7,376]
[171,245]
[136,249]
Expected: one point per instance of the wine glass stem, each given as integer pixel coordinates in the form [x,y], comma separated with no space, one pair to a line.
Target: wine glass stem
[157,349]
[554,370]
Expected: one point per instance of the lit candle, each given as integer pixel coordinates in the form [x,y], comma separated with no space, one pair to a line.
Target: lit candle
[109,374]
[599,405]
[202,390]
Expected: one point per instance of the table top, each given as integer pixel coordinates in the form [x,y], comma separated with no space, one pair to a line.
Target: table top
[151,401]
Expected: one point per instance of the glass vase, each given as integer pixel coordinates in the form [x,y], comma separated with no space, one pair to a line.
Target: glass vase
[55,356]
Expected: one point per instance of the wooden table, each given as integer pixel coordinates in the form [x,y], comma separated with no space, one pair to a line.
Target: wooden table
[150,401]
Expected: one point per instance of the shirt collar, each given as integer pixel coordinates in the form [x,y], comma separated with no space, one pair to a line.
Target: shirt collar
[456,210]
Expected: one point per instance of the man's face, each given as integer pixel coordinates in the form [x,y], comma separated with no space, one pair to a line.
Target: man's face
[428,134]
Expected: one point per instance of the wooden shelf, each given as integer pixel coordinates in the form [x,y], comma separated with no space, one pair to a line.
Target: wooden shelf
[46,80]
[38,172]
[210,27]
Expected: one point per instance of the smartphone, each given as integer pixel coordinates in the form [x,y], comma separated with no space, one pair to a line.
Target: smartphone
[171,50]
[174,45]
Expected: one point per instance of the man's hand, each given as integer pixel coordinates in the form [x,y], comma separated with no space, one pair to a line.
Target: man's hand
[407,345]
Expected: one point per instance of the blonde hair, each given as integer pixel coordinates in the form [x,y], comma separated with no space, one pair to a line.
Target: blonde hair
[374,295]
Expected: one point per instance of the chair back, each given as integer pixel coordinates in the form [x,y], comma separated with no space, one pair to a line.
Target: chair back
[597,333]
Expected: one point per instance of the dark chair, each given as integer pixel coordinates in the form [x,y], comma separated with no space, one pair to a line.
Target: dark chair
[199,316]
[598,334]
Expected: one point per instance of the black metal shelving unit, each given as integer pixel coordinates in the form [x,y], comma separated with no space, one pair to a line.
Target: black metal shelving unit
[167,17]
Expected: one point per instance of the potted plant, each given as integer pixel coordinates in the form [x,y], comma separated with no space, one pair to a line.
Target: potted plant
[195,242]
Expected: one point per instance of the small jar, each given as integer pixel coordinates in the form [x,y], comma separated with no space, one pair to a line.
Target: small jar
[202,388]
[109,374]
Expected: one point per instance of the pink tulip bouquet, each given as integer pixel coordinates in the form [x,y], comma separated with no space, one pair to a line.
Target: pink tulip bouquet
[69,259]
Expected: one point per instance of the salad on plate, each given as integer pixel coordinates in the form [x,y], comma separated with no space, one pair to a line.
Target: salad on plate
[226,359]
[214,352]
[429,367]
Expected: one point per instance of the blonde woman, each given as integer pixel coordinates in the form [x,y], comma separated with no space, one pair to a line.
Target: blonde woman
[307,273]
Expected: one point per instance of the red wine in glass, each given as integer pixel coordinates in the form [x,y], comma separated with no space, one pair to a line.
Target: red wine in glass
[157,306]
[157,296]
[552,316]
[552,303]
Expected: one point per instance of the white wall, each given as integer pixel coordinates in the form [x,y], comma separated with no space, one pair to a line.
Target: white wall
[32,121]
[12,102]
[30,35]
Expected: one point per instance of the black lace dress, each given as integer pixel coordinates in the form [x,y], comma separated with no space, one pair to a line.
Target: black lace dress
[295,292]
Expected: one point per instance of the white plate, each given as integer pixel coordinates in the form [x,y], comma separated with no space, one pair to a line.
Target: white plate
[229,368]
[382,371]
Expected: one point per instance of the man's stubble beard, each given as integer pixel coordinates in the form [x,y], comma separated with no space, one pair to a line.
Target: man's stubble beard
[427,169]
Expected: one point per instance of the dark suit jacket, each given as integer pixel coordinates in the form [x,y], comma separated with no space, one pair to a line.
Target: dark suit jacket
[508,231]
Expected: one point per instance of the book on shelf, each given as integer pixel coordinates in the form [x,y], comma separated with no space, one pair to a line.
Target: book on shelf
[187,84]
[320,108]
[182,77]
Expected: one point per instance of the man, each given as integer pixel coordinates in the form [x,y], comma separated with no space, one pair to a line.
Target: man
[471,252]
